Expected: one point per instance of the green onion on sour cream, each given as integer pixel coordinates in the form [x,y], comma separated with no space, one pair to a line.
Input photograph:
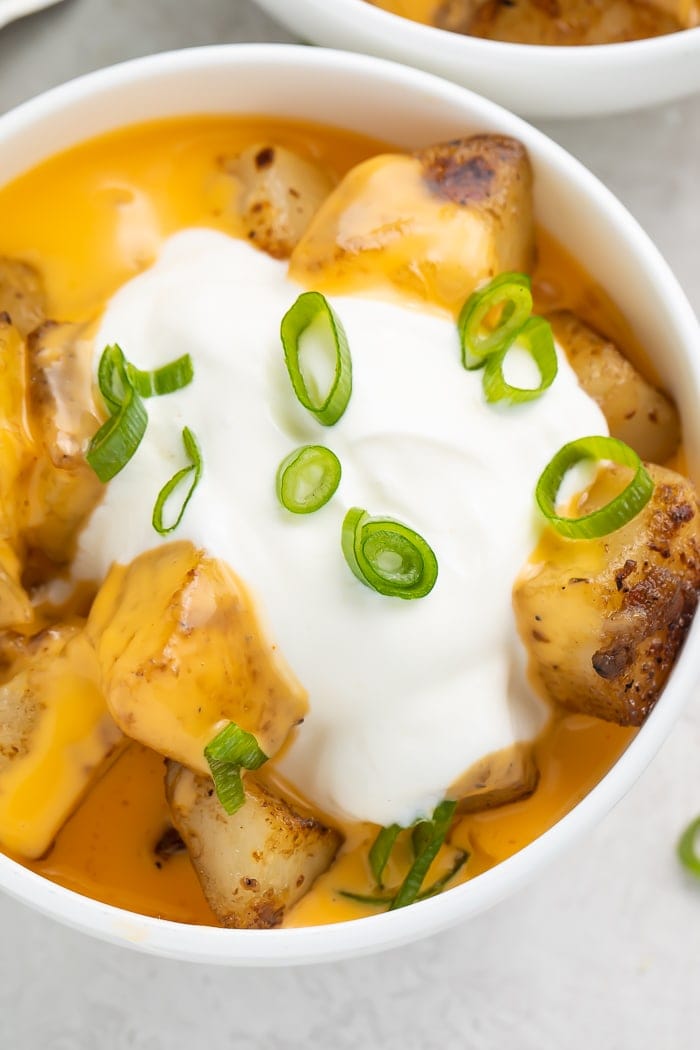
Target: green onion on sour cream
[311,325]
[123,386]
[536,338]
[388,556]
[193,471]
[308,478]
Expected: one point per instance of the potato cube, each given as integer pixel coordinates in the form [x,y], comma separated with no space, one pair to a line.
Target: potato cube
[63,489]
[182,655]
[21,295]
[433,225]
[55,737]
[636,412]
[603,620]
[280,192]
[253,865]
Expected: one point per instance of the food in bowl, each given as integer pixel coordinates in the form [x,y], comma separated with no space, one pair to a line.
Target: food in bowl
[554,22]
[272,440]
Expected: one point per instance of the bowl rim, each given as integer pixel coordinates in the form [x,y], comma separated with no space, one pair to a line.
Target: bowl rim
[616,55]
[12,10]
[378,932]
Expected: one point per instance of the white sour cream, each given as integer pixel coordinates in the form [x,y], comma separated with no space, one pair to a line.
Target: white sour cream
[404,695]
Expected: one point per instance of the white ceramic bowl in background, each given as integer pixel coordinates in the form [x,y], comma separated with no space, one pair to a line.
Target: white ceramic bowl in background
[531,80]
[13,9]
[410,109]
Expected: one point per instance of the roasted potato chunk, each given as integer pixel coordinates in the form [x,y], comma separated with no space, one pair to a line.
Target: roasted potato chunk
[21,295]
[503,777]
[280,192]
[17,458]
[636,412]
[182,654]
[60,391]
[433,225]
[687,12]
[603,620]
[15,604]
[64,489]
[455,15]
[17,451]
[55,736]
[561,22]
[255,865]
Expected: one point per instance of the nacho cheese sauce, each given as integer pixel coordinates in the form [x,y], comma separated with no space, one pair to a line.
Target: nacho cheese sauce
[123,196]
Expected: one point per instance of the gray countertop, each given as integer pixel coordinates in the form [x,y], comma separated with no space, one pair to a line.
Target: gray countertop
[603,950]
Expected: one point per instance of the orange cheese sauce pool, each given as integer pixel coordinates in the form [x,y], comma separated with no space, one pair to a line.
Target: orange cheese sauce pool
[90,219]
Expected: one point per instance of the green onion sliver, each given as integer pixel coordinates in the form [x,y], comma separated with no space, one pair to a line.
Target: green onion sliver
[440,825]
[420,836]
[122,386]
[380,850]
[230,751]
[688,848]
[116,441]
[115,373]
[511,291]
[439,885]
[194,470]
[618,512]
[228,785]
[388,556]
[536,337]
[112,377]
[312,308]
[366,898]
[308,478]
[165,380]
[436,887]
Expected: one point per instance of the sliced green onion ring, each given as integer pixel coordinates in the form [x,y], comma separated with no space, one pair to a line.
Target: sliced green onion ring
[308,478]
[194,452]
[380,850]
[230,751]
[536,338]
[388,556]
[309,309]
[116,441]
[618,512]
[440,825]
[165,380]
[688,845]
[512,292]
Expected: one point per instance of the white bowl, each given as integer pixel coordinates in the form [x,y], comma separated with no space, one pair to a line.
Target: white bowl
[531,80]
[13,9]
[411,109]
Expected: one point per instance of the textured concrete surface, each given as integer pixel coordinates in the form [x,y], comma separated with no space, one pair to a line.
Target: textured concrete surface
[602,951]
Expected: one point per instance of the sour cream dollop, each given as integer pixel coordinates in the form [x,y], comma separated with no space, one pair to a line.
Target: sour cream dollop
[404,695]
